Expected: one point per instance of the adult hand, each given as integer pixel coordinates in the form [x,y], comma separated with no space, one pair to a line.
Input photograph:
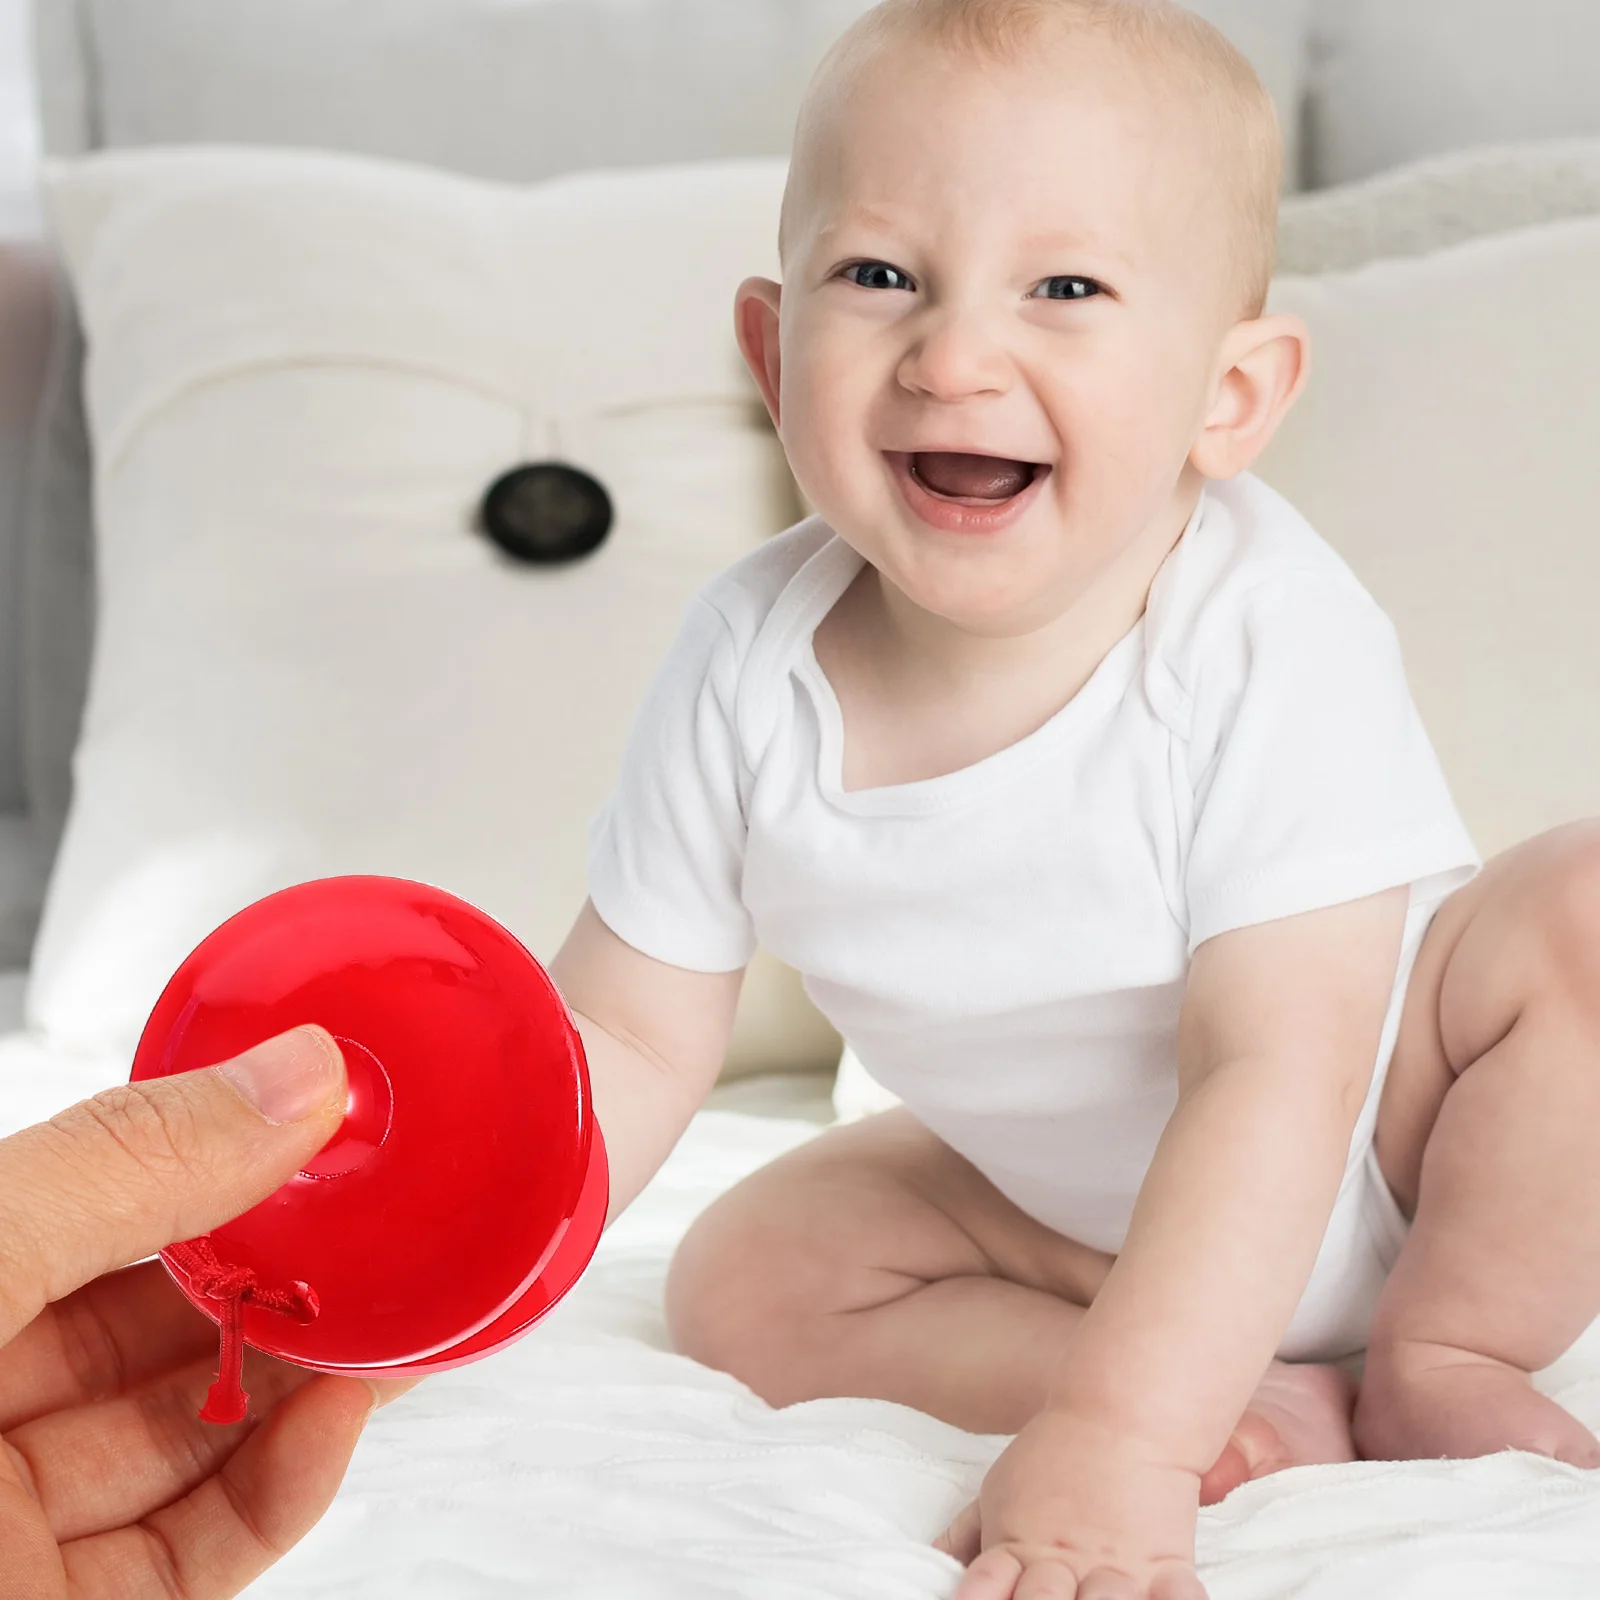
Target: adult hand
[1071,1512]
[110,1485]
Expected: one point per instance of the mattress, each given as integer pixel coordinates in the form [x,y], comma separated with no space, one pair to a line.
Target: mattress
[590,1461]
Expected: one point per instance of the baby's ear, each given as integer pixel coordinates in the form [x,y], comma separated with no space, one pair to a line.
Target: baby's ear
[1262,366]
[755,323]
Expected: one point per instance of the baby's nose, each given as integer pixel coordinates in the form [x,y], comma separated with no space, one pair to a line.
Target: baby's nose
[953,356]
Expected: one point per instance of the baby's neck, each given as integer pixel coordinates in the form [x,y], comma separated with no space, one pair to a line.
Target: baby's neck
[915,644]
[921,697]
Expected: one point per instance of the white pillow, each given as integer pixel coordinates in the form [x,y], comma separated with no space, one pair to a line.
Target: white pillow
[304,371]
[1448,446]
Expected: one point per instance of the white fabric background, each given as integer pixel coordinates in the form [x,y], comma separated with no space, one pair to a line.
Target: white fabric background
[1445,448]
[308,661]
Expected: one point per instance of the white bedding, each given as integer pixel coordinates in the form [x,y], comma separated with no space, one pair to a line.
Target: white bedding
[590,1461]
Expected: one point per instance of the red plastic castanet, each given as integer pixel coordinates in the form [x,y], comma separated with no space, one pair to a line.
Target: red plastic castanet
[464,1193]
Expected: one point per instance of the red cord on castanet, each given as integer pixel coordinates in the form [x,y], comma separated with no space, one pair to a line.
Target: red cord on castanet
[229,1287]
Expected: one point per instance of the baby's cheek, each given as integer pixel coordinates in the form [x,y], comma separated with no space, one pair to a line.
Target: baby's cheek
[820,423]
[822,473]
[1143,416]
[813,368]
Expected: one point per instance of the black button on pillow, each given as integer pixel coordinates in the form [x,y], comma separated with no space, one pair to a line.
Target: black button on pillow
[546,512]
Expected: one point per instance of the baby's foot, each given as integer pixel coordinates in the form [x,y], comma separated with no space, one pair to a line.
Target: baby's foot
[1298,1416]
[1421,1401]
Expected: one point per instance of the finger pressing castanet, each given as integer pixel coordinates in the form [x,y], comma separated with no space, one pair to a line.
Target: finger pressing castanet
[118,1331]
[114,1178]
[233,1526]
[107,1464]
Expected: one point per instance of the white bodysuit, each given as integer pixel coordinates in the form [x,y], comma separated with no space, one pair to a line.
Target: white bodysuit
[1005,946]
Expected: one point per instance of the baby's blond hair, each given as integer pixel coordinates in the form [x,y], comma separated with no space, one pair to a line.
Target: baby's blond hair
[1188,57]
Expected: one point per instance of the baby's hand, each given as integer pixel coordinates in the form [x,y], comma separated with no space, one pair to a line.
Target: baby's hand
[1071,1512]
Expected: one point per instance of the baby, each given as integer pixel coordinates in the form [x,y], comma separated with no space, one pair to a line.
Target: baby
[1080,778]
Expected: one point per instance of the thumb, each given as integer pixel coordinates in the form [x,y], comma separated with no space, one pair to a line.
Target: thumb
[117,1177]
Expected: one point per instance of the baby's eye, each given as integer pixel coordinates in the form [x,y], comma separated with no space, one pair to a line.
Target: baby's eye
[876,275]
[1068,288]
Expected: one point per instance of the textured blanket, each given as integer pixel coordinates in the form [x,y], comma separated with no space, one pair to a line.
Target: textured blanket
[588,1460]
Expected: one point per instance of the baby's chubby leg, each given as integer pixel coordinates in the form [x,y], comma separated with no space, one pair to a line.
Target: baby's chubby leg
[875,1261]
[1487,1132]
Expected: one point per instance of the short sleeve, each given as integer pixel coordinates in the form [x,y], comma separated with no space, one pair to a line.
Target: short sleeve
[666,851]
[1314,780]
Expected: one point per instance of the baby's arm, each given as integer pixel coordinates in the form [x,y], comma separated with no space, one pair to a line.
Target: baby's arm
[1277,1037]
[655,1037]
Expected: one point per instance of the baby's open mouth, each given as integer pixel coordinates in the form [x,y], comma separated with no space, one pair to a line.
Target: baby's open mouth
[984,480]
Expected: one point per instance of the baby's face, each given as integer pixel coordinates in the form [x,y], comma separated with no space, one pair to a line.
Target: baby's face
[1008,262]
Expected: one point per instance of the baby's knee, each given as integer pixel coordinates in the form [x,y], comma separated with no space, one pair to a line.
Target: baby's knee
[741,1286]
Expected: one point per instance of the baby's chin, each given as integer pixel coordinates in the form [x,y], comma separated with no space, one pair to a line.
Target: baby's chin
[994,588]
[993,582]
[1003,612]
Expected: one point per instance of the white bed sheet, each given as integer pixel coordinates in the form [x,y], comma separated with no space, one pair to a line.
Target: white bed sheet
[589,1461]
